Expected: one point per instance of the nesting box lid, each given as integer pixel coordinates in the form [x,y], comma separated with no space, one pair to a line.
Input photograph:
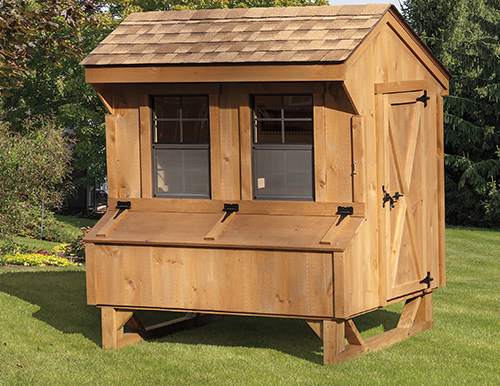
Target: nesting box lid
[252,226]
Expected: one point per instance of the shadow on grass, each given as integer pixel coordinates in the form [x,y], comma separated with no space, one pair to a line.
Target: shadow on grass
[61,296]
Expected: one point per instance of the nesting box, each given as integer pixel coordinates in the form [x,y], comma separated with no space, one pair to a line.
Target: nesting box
[284,162]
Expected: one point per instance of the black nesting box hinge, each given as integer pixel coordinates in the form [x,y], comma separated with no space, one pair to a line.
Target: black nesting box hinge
[344,211]
[121,206]
[427,280]
[229,209]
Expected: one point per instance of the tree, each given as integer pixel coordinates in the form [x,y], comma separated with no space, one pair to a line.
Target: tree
[33,167]
[47,29]
[62,92]
[465,37]
[119,6]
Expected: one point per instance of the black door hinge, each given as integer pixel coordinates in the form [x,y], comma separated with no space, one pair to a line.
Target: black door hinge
[229,209]
[427,280]
[424,98]
[121,206]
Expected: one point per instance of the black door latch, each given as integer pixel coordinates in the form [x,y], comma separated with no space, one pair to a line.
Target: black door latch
[391,199]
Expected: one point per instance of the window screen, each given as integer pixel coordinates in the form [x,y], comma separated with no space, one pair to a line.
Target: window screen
[283,147]
[181,148]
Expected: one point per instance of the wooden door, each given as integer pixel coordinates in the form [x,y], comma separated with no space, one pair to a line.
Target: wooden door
[403,207]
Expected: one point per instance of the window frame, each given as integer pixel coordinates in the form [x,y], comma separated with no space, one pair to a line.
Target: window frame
[255,146]
[178,146]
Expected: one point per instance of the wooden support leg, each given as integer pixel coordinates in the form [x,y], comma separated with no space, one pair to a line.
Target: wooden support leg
[333,341]
[113,321]
[415,318]
[424,318]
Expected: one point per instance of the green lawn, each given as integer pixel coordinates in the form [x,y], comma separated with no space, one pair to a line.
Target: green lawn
[48,335]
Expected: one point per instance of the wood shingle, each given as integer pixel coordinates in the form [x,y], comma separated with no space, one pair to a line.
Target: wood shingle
[272,35]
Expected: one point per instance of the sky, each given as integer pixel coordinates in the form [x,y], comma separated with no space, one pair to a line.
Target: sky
[343,2]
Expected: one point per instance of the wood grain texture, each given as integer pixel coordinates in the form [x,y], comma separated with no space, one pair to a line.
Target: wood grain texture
[245,122]
[111,224]
[215,147]
[246,281]
[230,143]
[111,156]
[338,152]
[320,182]
[219,227]
[171,74]
[127,163]
[358,158]
[245,206]
[272,232]
[333,341]
[90,277]
[145,134]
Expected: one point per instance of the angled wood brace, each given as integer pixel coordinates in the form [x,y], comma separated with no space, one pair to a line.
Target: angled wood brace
[114,320]
[415,318]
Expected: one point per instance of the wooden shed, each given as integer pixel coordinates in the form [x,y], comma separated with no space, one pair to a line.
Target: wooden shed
[285,162]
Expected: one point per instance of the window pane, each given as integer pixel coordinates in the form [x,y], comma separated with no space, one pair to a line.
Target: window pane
[167,107]
[299,172]
[283,174]
[168,132]
[268,132]
[183,172]
[298,132]
[268,107]
[195,131]
[297,106]
[195,107]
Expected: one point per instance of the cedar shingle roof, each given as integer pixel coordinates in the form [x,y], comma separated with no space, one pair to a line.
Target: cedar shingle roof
[239,35]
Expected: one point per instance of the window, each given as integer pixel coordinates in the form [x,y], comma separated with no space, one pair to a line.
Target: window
[283,147]
[181,147]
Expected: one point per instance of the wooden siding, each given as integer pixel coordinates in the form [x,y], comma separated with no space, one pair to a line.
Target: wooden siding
[245,281]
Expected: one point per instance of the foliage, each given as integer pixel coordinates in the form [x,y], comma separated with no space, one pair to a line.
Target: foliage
[53,230]
[77,246]
[465,37]
[39,259]
[123,7]
[60,250]
[9,246]
[47,29]
[73,104]
[33,167]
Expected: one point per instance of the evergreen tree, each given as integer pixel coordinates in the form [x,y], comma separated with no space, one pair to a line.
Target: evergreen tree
[465,37]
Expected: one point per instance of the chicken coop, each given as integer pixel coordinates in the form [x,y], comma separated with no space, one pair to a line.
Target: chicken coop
[281,162]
